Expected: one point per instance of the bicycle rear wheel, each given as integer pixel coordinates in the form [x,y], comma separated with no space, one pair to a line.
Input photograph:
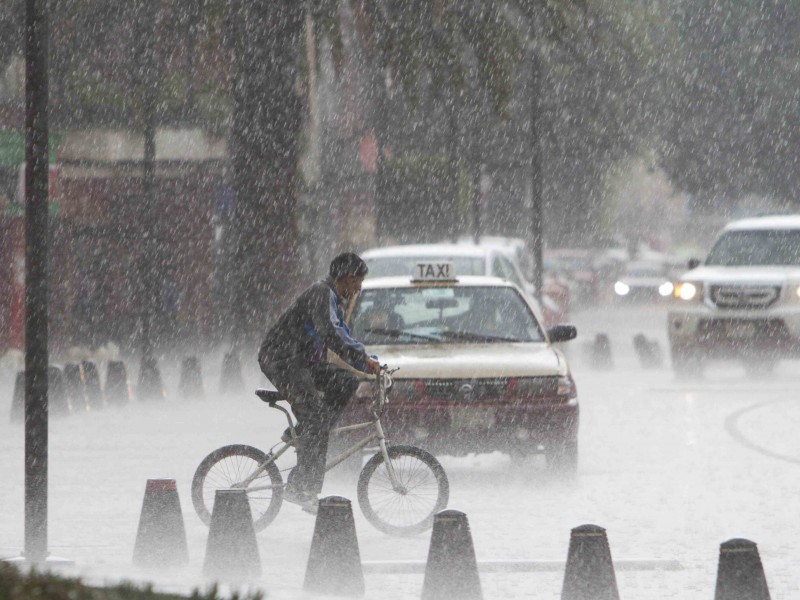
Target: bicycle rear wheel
[225,469]
[423,491]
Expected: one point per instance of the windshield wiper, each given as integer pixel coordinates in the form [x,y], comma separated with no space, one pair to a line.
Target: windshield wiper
[473,336]
[395,333]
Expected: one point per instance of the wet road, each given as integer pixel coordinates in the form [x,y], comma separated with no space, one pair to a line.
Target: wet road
[669,468]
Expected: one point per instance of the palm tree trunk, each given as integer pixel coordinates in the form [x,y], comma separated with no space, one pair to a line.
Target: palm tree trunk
[267,35]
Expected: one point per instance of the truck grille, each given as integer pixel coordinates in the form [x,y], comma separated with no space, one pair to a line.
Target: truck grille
[730,296]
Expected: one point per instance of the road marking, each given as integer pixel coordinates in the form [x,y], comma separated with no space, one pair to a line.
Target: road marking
[731,426]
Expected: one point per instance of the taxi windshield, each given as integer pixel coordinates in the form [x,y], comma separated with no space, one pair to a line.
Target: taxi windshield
[389,266]
[443,315]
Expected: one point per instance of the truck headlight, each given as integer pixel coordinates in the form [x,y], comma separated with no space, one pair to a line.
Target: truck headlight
[686,290]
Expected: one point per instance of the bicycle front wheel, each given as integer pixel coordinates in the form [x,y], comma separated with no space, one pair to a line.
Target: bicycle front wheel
[227,468]
[422,490]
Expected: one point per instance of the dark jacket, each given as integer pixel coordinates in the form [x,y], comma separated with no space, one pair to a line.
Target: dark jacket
[314,323]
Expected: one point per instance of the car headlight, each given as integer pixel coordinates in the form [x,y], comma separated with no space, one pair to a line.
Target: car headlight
[364,390]
[566,387]
[797,293]
[689,291]
[621,288]
[666,289]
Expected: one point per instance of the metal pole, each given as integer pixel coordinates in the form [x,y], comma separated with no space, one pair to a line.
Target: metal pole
[149,241]
[537,212]
[36,231]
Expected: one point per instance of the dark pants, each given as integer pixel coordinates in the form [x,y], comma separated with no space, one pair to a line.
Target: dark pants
[318,395]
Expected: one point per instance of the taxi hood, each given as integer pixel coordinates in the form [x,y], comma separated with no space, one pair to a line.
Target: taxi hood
[451,361]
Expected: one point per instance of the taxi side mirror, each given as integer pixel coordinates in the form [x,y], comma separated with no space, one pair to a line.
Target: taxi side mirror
[693,263]
[562,333]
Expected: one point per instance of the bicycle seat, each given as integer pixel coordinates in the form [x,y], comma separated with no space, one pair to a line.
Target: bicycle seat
[269,396]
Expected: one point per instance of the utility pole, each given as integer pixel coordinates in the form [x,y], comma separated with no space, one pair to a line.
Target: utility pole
[36,232]
[537,212]
[150,384]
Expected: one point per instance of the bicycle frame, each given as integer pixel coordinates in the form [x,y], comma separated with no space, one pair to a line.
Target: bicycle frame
[378,405]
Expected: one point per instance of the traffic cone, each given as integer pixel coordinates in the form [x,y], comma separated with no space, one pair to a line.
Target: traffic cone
[161,538]
[451,570]
[73,385]
[589,572]
[231,550]
[150,385]
[91,384]
[57,399]
[191,382]
[740,575]
[231,380]
[334,563]
[18,399]
[118,386]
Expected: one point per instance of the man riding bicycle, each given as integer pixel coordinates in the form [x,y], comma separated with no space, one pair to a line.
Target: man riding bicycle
[293,356]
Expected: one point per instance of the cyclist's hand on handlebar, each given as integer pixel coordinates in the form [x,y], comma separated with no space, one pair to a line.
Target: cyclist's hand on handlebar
[373,366]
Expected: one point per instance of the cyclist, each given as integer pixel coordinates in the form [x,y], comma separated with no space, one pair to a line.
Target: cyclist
[293,356]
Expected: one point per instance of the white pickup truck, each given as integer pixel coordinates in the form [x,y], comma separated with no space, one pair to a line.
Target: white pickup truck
[743,301]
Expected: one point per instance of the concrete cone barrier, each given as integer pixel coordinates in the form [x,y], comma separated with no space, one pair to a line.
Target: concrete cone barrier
[231,380]
[57,398]
[600,352]
[73,384]
[161,538]
[648,351]
[191,382]
[150,387]
[91,385]
[334,563]
[740,575]
[118,386]
[231,550]
[18,399]
[451,570]
[589,573]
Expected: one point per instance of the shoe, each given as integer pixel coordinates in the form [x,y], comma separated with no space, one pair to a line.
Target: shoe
[307,501]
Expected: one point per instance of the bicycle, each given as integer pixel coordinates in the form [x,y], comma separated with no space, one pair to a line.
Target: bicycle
[400,488]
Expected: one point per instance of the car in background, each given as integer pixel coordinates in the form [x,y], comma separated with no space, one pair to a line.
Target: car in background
[492,259]
[577,266]
[645,281]
[477,371]
[743,301]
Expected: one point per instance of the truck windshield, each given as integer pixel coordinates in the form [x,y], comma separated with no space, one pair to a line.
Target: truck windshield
[756,247]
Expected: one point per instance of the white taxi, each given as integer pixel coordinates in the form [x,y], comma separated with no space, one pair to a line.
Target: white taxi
[477,371]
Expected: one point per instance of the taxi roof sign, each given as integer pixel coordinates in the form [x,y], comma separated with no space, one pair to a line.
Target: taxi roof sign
[434,271]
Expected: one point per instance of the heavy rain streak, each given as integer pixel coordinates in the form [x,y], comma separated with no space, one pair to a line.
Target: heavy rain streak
[580,228]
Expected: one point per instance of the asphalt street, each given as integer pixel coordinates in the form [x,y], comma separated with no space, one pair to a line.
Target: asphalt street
[670,468]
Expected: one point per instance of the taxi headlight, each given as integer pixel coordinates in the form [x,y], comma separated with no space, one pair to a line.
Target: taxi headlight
[666,289]
[364,390]
[621,288]
[566,387]
[686,290]
[797,292]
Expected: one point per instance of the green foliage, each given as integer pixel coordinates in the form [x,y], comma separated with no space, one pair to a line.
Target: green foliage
[421,200]
[15,585]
